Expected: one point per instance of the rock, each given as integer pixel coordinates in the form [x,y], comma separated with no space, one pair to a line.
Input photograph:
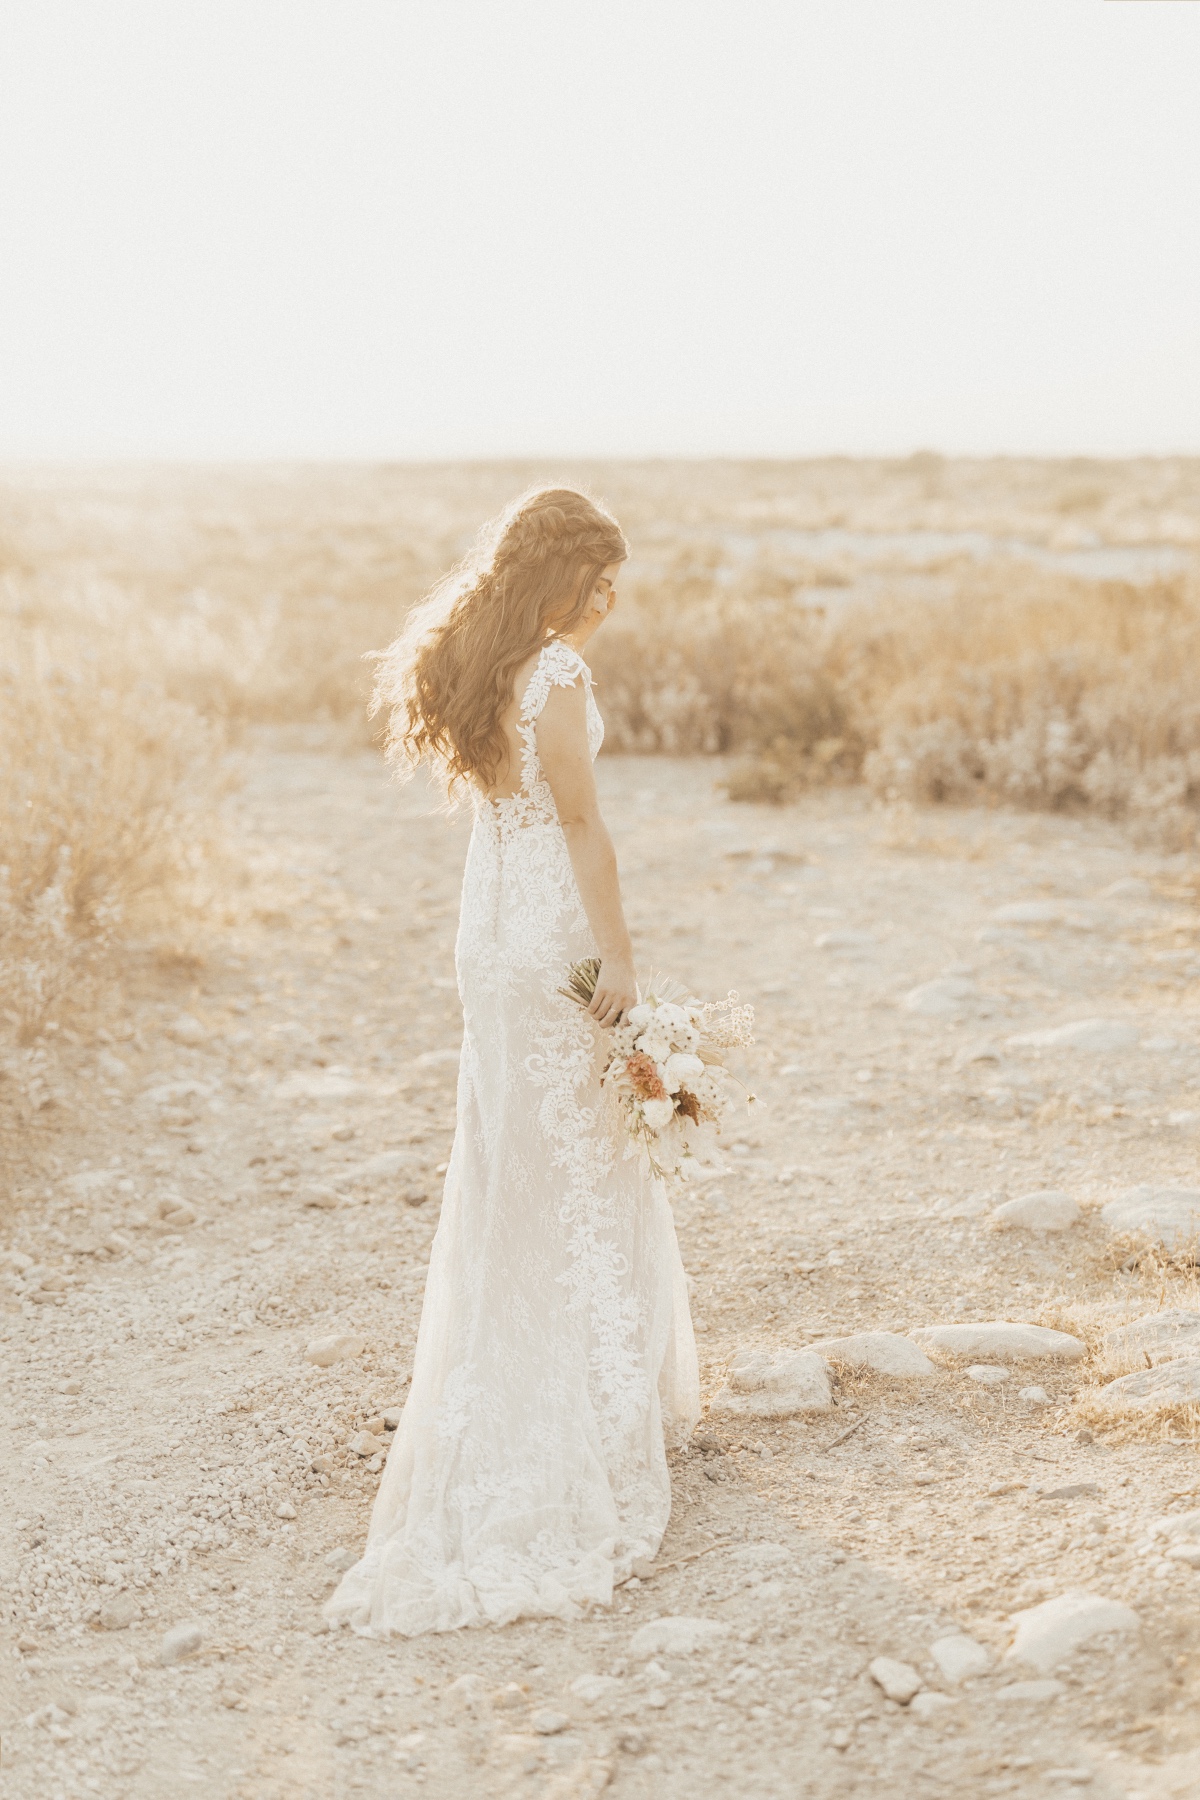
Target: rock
[186,1030]
[437,1059]
[466,1689]
[179,1642]
[1048,1634]
[1185,1553]
[885,1351]
[377,1168]
[1048,1210]
[322,1464]
[960,1658]
[987,1374]
[929,1707]
[324,1198]
[1178,1527]
[1036,1396]
[337,1347]
[119,1613]
[1167,1216]
[677,1636]
[285,1510]
[547,1723]
[1128,887]
[1070,1490]
[176,1213]
[943,998]
[363,1443]
[174,1093]
[1030,1693]
[392,1417]
[1003,1340]
[983,1052]
[111,1066]
[767,1386]
[92,1181]
[318,1084]
[509,1697]
[590,1688]
[340,1560]
[899,1680]
[375,1425]
[1028,912]
[1083,1034]
[1161,1335]
[1175,1383]
[844,940]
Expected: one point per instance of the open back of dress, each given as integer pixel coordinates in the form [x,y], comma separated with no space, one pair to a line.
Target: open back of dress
[555,1357]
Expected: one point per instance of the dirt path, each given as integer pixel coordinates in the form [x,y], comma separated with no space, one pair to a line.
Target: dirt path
[254,1161]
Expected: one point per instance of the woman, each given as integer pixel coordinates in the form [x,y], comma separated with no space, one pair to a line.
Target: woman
[555,1356]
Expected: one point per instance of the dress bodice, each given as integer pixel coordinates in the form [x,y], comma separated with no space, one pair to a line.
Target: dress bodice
[533,803]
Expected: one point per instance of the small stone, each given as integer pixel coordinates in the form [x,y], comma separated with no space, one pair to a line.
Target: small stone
[1167,1216]
[74,1386]
[343,1133]
[466,1689]
[899,1680]
[119,1613]
[960,1658]
[548,1723]
[509,1697]
[322,1198]
[322,1464]
[884,1351]
[929,1707]
[1185,1553]
[642,1567]
[1047,1635]
[179,1642]
[415,1196]
[1082,1034]
[364,1444]
[27,1646]
[1036,1396]
[186,1030]
[337,1347]
[1028,912]
[840,1739]
[1030,1693]
[392,1417]
[1070,1490]
[340,1560]
[375,1425]
[1047,1210]
[762,1385]
[943,998]
[988,1374]
[285,1510]
[676,1636]
[1171,1384]
[591,1688]
[1003,1340]
[176,1213]
[633,1743]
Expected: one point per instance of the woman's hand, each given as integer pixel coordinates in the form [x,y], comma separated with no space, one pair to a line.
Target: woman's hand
[616,990]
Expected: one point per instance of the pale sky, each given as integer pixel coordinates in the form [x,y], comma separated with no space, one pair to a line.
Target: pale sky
[444,228]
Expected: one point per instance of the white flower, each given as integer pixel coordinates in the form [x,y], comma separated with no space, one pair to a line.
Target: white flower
[655,1044]
[673,1018]
[680,1068]
[639,1015]
[657,1114]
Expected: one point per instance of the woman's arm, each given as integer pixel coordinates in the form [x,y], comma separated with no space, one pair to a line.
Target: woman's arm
[566,761]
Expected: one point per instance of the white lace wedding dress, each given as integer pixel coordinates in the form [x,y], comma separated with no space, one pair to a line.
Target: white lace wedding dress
[555,1359]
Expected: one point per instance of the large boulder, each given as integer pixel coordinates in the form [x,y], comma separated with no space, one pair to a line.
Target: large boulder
[761,1385]
[1160,1336]
[885,1351]
[1047,1635]
[1169,1216]
[1004,1341]
[1175,1383]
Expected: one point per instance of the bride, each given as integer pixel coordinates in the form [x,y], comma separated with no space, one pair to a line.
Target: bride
[555,1359]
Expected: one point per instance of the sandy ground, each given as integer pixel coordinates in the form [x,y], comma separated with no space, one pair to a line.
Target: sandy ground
[171,1457]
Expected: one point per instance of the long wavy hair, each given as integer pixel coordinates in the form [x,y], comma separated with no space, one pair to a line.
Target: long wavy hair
[447,680]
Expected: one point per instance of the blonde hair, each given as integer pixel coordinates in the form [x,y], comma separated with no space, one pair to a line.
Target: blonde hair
[448,678]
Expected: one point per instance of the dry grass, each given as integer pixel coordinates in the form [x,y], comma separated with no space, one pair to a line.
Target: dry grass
[107,789]
[146,614]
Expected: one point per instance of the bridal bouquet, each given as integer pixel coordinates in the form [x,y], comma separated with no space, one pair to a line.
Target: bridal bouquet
[666,1066]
